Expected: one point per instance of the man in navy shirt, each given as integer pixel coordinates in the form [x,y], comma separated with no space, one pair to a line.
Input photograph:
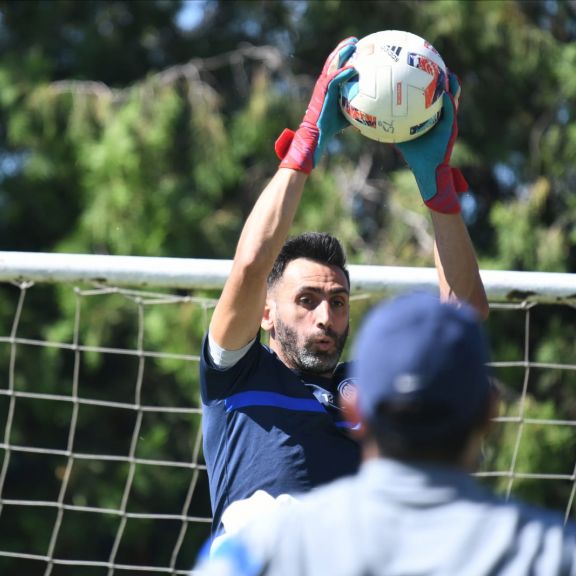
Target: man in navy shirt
[271,418]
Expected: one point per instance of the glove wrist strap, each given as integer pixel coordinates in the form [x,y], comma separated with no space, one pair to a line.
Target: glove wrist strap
[296,149]
[449,184]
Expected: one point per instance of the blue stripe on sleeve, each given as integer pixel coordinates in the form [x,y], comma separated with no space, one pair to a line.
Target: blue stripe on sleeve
[259,398]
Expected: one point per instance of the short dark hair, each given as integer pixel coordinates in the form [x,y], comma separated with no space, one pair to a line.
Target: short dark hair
[318,246]
[396,442]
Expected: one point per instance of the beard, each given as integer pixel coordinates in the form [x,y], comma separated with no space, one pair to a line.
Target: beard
[305,356]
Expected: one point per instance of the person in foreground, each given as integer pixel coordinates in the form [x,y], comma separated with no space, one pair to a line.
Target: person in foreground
[425,401]
[271,417]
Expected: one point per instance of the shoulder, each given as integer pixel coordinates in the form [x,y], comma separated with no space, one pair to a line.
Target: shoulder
[247,551]
[537,531]
[259,371]
[556,539]
[233,556]
[223,371]
[275,539]
[548,519]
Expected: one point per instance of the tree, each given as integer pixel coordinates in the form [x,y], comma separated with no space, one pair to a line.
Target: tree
[125,133]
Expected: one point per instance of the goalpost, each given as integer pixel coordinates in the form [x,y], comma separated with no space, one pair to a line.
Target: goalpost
[101,460]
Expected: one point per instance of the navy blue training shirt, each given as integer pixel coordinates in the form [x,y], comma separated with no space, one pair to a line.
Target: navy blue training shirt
[270,428]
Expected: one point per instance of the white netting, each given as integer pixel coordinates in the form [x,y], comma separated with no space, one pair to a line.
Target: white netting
[102,469]
[136,439]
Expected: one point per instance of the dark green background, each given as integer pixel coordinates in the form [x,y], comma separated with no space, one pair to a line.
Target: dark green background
[126,130]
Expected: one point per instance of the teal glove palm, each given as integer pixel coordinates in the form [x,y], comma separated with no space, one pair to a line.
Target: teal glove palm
[429,157]
[301,150]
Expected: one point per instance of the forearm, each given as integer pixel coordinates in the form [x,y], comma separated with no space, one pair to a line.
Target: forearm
[269,222]
[238,314]
[456,263]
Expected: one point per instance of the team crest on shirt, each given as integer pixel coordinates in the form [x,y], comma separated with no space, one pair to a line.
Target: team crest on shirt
[347,388]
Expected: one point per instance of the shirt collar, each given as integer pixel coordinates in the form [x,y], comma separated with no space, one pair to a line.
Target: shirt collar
[418,483]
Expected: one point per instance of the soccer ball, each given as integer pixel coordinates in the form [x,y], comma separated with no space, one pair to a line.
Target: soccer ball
[397,94]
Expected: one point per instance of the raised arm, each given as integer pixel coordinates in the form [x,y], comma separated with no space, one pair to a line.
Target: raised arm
[238,314]
[429,159]
[456,264]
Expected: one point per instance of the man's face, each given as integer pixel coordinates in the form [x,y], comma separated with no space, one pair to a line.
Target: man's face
[309,315]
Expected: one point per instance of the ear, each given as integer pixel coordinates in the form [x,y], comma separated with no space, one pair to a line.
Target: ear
[495,403]
[472,454]
[267,322]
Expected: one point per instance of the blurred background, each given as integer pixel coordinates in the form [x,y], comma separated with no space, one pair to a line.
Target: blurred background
[146,128]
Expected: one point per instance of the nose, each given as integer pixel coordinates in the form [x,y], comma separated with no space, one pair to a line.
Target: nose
[323,314]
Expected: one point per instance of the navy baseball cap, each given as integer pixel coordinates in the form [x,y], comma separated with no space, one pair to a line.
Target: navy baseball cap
[417,355]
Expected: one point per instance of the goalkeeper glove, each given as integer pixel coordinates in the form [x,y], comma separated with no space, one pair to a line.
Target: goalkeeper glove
[301,150]
[429,156]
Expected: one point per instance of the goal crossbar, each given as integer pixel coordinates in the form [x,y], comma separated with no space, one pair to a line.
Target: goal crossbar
[206,274]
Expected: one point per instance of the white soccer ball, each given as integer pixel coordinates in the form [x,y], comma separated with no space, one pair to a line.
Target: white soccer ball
[397,95]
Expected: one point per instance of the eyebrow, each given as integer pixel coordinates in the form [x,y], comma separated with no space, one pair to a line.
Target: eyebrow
[317,290]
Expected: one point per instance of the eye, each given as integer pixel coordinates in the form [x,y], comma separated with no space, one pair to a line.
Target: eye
[305,300]
[339,302]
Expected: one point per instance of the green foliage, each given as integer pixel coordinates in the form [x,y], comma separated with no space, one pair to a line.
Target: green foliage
[125,133]
[521,448]
[525,240]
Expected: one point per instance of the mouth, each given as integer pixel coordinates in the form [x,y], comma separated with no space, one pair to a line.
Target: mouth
[324,343]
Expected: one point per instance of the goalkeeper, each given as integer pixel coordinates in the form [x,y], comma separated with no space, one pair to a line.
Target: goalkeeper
[271,415]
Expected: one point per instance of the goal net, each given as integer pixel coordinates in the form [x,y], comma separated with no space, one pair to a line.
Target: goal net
[101,454]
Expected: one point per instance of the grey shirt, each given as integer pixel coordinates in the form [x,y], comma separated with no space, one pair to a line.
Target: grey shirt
[397,519]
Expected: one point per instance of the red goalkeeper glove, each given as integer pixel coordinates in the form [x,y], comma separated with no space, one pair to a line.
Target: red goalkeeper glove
[429,158]
[302,149]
